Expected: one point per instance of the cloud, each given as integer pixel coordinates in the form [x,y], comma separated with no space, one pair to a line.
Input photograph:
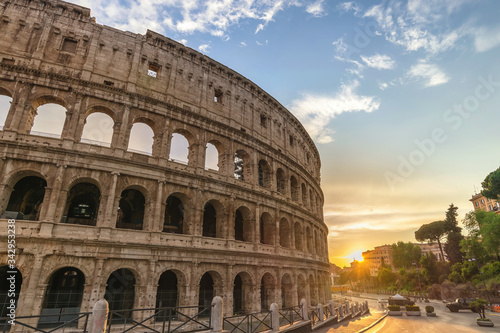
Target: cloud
[204,48]
[486,39]
[316,111]
[431,73]
[379,61]
[351,5]
[316,9]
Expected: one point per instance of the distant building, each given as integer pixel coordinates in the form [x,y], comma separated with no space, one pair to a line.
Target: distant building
[479,201]
[374,258]
[431,247]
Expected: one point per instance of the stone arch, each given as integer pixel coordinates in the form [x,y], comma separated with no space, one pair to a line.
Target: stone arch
[286,291]
[242,293]
[294,188]
[26,198]
[175,214]
[312,290]
[242,165]
[309,240]
[64,290]
[5,103]
[215,155]
[312,202]
[6,289]
[210,285]
[267,229]
[120,290]
[47,117]
[285,233]
[304,193]
[82,202]
[299,236]
[141,136]
[281,181]
[182,146]
[131,208]
[98,126]
[265,174]
[267,286]
[301,287]
[213,219]
[169,291]
[243,226]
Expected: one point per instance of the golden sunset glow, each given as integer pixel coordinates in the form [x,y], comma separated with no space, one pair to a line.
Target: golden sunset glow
[356,256]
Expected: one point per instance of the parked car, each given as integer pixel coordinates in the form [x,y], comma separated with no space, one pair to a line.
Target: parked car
[460,304]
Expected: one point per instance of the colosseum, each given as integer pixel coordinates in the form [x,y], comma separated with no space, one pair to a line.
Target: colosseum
[224,200]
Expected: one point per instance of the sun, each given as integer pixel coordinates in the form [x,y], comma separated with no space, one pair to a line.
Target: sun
[357,255]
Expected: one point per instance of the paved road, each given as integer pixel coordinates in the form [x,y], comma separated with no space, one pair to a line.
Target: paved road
[445,322]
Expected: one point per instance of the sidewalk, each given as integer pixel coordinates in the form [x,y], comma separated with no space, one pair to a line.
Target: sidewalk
[358,324]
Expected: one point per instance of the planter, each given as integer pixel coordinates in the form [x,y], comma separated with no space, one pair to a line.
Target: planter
[431,314]
[485,323]
[395,313]
[413,313]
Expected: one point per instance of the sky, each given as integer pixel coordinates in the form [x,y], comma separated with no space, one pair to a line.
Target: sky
[402,98]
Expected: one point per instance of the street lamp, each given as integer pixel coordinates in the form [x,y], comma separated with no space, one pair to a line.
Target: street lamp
[482,279]
[418,276]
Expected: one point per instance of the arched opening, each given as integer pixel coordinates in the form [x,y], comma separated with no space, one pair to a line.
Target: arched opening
[312,201]
[120,291]
[312,291]
[131,210]
[174,216]
[266,291]
[141,139]
[309,240]
[294,188]
[267,229]
[280,181]
[264,174]
[49,120]
[299,236]
[179,149]
[316,243]
[26,200]
[285,233]
[211,157]
[239,167]
[167,294]
[301,287]
[211,217]
[304,194]
[9,290]
[242,294]
[5,102]
[286,291]
[206,292]
[82,204]
[63,295]
[238,295]
[98,129]
[243,230]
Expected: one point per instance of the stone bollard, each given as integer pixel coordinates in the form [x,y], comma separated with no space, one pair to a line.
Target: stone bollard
[357,307]
[275,317]
[352,309]
[321,315]
[366,306]
[332,307]
[217,316]
[341,311]
[99,317]
[303,306]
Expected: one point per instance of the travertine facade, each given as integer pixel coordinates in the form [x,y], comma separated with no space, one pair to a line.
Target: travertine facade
[251,231]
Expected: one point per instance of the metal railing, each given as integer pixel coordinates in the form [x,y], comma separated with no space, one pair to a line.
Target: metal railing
[250,323]
[23,321]
[289,316]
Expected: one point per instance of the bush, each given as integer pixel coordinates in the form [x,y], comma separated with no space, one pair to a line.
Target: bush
[429,309]
[394,308]
[412,308]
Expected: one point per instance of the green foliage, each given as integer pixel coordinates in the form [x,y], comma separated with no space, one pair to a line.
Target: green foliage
[491,185]
[484,231]
[480,305]
[432,232]
[491,270]
[412,308]
[451,222]
[452,247]
[405,254]
[429,309]
[456,278]
[394,308]
[430,268]
[386,276]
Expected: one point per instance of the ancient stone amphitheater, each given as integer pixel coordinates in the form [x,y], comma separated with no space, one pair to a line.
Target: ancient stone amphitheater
[238,215]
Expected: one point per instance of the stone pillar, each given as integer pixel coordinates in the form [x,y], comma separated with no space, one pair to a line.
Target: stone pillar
[73,125]
[99,317]
[109,219]
[31,298]
[157,224]
[121,131]
[275,317]
[18,107]
[5,189]
[49,208]
[229,234]
[303,309]
[217,317]
[321,315]
[332,307]
[257,224]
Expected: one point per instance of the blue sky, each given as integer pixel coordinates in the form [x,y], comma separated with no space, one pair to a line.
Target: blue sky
[401,97]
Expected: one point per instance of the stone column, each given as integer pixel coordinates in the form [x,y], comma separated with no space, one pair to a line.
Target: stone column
[157,224]
[31,298]
[49,206]
[120,131]
[229,233]
[257,226]
[18,107]
[109,219]
[5,189]
[73,126]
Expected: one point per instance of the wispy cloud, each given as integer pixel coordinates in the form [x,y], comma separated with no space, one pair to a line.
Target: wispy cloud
[204,48]
[379,61]
[430,73]
[316,111]
[316,9]
[486,39]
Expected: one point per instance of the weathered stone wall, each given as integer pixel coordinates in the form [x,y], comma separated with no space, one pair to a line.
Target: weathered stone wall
[54,52]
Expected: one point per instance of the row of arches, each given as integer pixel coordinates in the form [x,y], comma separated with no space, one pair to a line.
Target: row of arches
[65,289]
[100,125]
[83,206]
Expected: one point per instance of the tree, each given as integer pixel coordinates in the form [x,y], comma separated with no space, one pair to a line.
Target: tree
[433,232]
[405,254]
[386,276]
[484,228]
[430,269]
[491,185]
[452,246]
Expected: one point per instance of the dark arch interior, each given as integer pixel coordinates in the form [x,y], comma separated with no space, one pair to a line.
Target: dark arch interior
[206,291]
[120,291]
[26,200]
[65,289]
[238,226]
[131,210]
[174,216]
[83,204]
[209,221]
[238,295]
[167,294]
